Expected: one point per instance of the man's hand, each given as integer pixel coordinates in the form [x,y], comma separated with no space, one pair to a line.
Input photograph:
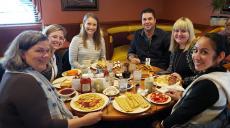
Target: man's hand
[135,60]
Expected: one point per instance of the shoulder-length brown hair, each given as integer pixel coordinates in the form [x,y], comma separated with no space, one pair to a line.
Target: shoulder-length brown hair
[12,59]
[97,35]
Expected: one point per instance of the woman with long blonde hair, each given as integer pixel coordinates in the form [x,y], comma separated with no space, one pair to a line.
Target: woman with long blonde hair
[181,39]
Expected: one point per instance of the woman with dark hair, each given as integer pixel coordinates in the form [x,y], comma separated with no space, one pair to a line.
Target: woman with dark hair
[27,98]
[206,98]
[89,46]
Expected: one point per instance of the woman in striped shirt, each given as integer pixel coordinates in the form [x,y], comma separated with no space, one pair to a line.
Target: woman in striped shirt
[89,46]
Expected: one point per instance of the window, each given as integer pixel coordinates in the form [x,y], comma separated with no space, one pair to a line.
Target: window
[17,12]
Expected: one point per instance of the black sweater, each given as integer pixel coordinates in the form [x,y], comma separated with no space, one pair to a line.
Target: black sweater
[203,95]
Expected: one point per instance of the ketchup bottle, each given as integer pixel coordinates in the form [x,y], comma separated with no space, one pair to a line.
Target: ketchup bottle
[85,84]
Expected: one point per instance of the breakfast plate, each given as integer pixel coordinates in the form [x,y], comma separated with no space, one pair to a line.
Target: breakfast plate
[166,80]
[72,72]
[130,103]
[158,98]
[62,82]
[93,66]
[101,64]
[89,102]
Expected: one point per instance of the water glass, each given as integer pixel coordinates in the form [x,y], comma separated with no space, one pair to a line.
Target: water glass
[123,83]
[148,83]
[76,84]
[147,61]
[109,66]
[99,85]
[137,76]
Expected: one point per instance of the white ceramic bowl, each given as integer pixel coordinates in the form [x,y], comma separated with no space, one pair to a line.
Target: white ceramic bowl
[67,93]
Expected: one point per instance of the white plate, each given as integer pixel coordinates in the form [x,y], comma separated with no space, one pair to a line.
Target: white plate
[65,73]
[129,86]
[164,89]
[162,83]
[57,82]
[155,102]
[75,107]
[119,76]
[94,66]
[136,110]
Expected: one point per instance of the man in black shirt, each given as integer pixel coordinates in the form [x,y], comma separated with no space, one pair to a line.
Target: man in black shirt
[150,42]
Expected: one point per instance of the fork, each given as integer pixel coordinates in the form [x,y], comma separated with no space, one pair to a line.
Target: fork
[107,105]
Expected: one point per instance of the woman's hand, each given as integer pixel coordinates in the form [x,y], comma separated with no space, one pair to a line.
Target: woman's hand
[88,119]
[174,94]
[177,75]
[91,118]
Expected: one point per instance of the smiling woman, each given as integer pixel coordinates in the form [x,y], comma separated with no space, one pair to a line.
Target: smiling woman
[212,81]
[26,57]
[88,46]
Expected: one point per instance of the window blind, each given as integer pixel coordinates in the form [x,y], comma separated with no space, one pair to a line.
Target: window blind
[18,12]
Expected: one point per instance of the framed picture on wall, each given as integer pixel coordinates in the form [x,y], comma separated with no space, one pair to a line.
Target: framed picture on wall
[71,5]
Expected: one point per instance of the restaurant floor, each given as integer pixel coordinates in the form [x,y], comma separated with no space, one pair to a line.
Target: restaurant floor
[138,123]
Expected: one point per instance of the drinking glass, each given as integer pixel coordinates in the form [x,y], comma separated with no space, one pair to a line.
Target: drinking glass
[147,61]
[148,83]
[109,65]
[123,83]
[137,76]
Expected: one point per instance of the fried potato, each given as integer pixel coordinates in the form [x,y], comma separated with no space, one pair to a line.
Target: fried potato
[101,64]
[130,102]
[122,102]
[143,103]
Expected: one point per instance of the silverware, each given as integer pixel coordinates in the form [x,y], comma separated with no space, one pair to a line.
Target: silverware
[106,106]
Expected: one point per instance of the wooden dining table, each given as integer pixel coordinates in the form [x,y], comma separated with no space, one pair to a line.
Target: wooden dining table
[111,114]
